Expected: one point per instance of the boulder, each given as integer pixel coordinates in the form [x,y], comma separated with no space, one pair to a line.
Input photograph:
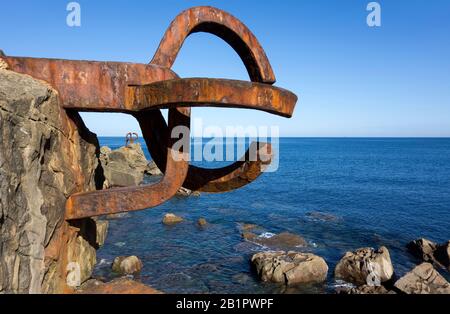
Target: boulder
[431,252]
[171,219]
[46,154]
[127,265]
[202,222]
[124,166]
[365,266]
[290,267]
[284,240]
[423,279]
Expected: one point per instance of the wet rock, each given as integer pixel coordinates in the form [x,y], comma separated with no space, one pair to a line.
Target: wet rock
[290,268]
[365,266]
[248,227]
[171,219]
[423,279]
[431,252]
[124,166]
[127,265]
[281,241]
[122,285]
[202,222]
[46,154]
[366,289]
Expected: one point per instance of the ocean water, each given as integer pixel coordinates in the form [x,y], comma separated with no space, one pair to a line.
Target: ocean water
[339,194]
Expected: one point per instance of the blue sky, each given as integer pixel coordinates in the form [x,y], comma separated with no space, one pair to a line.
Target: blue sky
[352,80]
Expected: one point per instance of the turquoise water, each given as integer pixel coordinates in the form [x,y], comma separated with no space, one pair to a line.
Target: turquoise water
[377,191]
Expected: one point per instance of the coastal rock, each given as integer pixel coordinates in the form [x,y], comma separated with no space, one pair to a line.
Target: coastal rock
[282,240]
[121,285]
[365,266]
[186,192]
[127,265]
[46,154]
[431,252]
[366,289]
[423,279]
[171,219]
[124,166]
[101,231]
[202,222]
[442,254]
[290,268]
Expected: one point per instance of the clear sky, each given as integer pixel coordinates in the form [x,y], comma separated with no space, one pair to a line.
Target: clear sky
[352,80]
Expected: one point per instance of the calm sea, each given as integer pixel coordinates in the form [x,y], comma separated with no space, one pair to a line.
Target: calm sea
[339,194]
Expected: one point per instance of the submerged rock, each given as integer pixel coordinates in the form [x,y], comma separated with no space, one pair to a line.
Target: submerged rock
[366,289]
[423,279]
[282,240]
[171,219]
[127,265]
[202,222]
[290,268]
[429,251]
[365,266]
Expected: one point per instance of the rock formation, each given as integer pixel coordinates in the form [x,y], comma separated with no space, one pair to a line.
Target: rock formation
[124,166]
[423,279]
[127,265]
[283,240]
[46,154]
[290,267]
[171,219]
[431,252]
[365,266]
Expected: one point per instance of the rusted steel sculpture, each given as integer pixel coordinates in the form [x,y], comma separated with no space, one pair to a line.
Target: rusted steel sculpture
[130,138]
[142,89]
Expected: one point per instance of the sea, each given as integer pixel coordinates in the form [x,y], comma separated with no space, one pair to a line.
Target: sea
[339,194]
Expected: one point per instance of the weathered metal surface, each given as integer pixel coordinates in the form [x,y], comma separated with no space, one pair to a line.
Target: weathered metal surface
[194,92]
[90,85]
[223,25]
[141,90]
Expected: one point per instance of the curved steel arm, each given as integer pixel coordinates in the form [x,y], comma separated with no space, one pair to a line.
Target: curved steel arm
[125,199]
[194,92]
[236,175]
[224,25]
